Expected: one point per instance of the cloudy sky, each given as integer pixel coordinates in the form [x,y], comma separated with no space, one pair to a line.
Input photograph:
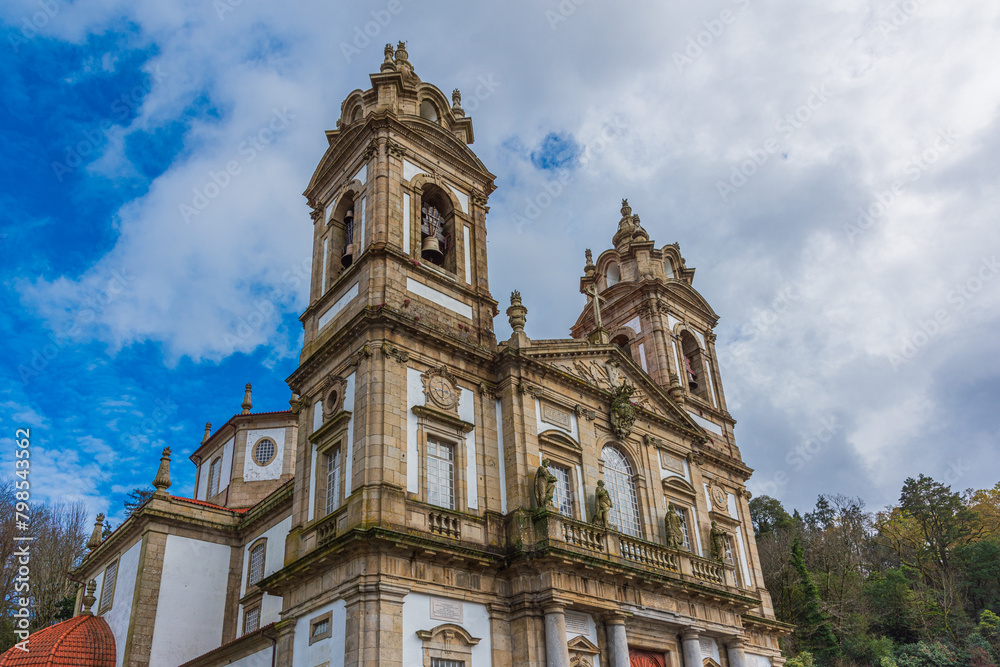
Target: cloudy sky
[830,169]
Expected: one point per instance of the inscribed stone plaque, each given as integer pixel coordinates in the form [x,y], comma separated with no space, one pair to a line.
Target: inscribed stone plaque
[671,462]
[577,624]
[555,416]
[446,610]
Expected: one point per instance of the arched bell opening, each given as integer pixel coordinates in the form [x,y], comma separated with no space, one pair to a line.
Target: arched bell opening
[695,370]
[344,244]
[437,227]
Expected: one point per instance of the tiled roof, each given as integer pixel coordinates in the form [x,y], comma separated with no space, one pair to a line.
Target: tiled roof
[212,505]
[82,641]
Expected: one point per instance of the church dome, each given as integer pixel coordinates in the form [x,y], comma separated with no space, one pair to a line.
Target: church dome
[82,641]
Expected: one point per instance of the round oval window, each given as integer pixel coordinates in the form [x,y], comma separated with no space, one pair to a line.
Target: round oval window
[264,451]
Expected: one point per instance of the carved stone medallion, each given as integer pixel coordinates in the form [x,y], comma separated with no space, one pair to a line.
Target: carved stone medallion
[440,388]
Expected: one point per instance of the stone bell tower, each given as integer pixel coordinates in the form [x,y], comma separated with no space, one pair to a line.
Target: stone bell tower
[642,299]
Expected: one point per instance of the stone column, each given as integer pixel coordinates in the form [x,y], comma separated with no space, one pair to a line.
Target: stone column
[556,648]
[617,641]
[734,649]
[691,648]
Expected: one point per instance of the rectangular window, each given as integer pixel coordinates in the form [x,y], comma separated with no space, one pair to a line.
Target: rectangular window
[441,662]
[333,480]
[108,588]
[563,497]
[440,474]
[684,527]
[729,550]
[214,473]
[320,627]
[256,570]
[251,620]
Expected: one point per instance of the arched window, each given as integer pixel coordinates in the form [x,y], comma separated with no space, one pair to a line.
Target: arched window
[613,275]
[695,370]
[622,342]
[668,267]
[620,486]
[214,474]
[437,227]
[428,111]
[356,116]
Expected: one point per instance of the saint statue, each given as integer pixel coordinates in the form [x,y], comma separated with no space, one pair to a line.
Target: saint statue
[602,505]
[718,541]
[675,532]
[545,485]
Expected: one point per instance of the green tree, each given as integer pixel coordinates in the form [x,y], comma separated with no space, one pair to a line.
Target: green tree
[814,629]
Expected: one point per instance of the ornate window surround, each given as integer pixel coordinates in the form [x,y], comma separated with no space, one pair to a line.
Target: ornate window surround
[447,641]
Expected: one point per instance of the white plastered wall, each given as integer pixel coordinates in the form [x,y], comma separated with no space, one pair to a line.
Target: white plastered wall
[274,560]
[591,633]
[120,615]
[256,473]
[192,570]
[330,649]
[416,616]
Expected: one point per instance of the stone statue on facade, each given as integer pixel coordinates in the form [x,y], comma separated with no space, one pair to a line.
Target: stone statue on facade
[602,505]
[622,410]
[675,532]
[545,485]
[717,538]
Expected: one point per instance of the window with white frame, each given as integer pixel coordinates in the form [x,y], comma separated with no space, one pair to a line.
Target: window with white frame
[108,588]
[682,513]
[333,480]
[440,474]
[620,486]
[256,570]
[440,662]
[563,496]
[251,620]
[214,475]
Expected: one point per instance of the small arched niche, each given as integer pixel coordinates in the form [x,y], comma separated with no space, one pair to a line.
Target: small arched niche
[356,115]
[622,341]
[437,227]
[668,267]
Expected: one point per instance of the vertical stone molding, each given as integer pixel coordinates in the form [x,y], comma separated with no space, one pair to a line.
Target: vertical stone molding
[691,647]
[734,650]
[556,648]
[617,641]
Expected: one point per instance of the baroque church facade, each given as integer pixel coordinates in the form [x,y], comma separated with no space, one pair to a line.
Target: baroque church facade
[434,498]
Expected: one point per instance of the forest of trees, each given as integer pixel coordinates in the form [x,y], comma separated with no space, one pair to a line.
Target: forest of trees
[914,585]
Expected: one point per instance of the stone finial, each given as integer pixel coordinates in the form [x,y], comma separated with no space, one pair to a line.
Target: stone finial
[401,55]
[89,599]
[247,405]
[387,64]
[623,236]
[295,403]
[638,233]
[208,432]
[456,103]
[162,480]
[95,537]
[588,268]
[516,315]
[626,209]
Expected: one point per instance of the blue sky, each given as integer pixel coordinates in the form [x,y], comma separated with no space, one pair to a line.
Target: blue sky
[829,170]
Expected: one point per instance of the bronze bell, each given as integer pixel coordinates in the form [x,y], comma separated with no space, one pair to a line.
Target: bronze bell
[430,249]
[348,255]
